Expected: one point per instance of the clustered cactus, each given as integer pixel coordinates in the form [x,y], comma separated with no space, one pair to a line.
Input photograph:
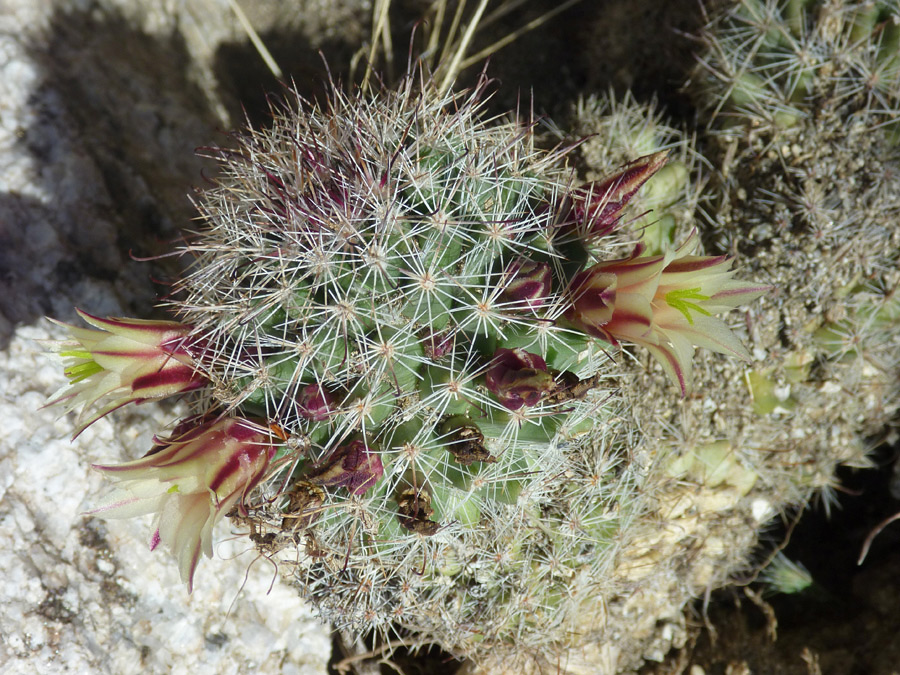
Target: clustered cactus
[402,334]
[802,186]
[802,100]
[403,321]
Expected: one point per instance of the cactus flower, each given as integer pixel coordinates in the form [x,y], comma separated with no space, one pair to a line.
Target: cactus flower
[665,303]
[124,361]
[518,378]
[190,481]
[353,466]
[597,207]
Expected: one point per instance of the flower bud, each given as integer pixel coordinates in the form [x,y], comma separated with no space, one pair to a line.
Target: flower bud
[597,207]
[316,403]
[437,344]
[527,283]
[518,378]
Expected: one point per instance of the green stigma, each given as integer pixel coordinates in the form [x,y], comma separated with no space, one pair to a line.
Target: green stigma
[80,371]
[678,299]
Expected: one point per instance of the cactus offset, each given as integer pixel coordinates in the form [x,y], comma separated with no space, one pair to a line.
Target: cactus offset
[812,147]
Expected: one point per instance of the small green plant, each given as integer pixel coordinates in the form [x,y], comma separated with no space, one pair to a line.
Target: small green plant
[783,575]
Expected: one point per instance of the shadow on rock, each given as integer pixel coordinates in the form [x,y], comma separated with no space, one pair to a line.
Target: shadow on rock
[116,120]
[245,79]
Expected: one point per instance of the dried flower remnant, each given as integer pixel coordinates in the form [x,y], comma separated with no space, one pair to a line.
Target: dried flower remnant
[353,466]
[414,512]
[665,303]
[465,441]
[190,481]
[124,361]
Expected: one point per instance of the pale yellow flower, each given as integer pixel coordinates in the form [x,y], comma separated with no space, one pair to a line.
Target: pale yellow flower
[190,481]
[665,303]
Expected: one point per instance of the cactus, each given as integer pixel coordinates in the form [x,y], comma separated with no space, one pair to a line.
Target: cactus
[408,319]
[812,157]
[401,333]
[769,63]
[802,187]
[386,281]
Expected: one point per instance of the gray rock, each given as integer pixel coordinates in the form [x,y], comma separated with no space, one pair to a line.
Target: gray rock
[103,104]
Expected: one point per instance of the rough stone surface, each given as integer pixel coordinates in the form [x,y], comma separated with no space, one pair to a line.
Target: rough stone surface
[101,107]
[83,595]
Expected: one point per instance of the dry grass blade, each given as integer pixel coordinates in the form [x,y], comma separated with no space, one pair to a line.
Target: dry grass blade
[256,40]
[381,35]
[453,69]
[515,35]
